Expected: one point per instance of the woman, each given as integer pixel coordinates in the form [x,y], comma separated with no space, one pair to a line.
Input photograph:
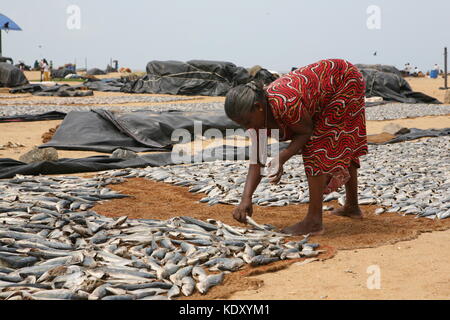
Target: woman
[46,69]
[320,108]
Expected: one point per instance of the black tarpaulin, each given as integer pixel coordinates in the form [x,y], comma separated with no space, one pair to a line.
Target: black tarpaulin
[95,72]
[380,67]
[63,90]
[104,131]
[11,76]
[9,167]
[104,85]
[28,88]
[52,115]
[61,73]
[195,77]
[419,133]
[387,82]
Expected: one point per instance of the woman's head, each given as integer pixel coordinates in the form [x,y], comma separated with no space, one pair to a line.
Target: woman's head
[246,104]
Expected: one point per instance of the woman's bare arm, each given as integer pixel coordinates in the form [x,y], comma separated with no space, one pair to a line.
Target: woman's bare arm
[302,134]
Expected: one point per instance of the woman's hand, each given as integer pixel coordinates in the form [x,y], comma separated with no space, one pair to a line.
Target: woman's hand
[244,209]
[275,168]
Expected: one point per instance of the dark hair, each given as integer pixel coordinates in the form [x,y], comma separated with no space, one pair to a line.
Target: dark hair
[241,99]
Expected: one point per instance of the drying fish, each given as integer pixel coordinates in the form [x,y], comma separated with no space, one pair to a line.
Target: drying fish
[173,292]
[208,282]
[262,260]
[53,247]
[188,286]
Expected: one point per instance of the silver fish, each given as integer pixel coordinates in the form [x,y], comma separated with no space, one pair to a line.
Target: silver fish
[207,283]
[173,292]
[262,260]
[187,286]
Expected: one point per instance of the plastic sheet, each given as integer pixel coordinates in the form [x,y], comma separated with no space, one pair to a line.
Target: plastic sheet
[195,77]
[52,115]
[11,76]
[104,131]
[387,82]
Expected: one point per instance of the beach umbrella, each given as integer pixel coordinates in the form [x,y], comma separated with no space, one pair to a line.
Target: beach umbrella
[6,24]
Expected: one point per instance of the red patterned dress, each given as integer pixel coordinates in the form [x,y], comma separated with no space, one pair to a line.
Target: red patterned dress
[332,92]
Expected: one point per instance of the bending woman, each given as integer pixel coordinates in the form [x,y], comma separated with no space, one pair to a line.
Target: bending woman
[321,109]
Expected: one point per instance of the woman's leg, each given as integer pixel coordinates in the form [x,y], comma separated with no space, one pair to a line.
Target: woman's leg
[351,208]
[313,220]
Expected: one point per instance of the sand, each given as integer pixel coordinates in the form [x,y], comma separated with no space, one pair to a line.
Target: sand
[416,269]
[429,122]
[429,86]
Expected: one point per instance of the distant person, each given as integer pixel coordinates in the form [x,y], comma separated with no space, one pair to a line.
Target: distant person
[407,69]
[46,70]
[21,65]
[41,68]
[416,72]
[329,130]
[435,71]
[438,69]
[36,65]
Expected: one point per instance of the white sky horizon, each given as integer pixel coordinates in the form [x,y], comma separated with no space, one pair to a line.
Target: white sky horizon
[277,35]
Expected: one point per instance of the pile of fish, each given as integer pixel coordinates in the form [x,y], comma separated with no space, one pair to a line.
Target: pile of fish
[411,178]
[405,110]
[49,250]
[93,100]
[17,109]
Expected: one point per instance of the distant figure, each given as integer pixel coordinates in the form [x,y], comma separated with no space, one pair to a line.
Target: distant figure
[36,65]
[435,71]
[41,68]
[406,70]
[416,72]
[45,69]
[22,65]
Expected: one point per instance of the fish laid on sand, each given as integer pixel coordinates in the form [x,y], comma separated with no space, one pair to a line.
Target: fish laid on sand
[52,246]
[415,183]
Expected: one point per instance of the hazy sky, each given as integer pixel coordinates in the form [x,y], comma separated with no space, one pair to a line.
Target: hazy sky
[276,34]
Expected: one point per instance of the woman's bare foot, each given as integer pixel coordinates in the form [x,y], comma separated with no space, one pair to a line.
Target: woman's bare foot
[349,212]
[304,227]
